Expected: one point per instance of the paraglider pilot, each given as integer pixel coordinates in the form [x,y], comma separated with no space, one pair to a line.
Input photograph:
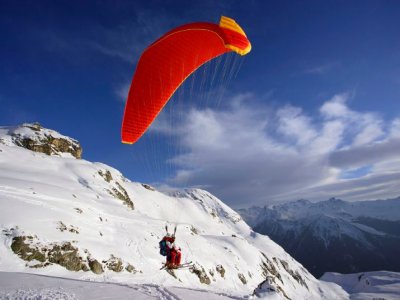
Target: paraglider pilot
[169,249]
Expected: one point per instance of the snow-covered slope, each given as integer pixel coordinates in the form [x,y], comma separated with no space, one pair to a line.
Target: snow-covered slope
[69,217]
[38,287]
[368,285]
[365,233]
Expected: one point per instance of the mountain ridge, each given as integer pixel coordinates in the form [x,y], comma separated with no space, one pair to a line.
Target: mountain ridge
[64,216]
[365,233]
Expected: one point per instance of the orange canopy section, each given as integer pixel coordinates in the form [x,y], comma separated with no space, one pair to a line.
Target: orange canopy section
[166,63]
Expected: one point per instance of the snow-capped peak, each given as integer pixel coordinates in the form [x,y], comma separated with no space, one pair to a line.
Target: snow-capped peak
[211,204]
[34,137]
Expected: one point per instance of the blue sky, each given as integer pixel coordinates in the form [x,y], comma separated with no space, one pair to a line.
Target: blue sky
[314,111]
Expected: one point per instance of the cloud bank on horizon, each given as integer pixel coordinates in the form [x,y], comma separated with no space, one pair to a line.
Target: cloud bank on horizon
[249,154]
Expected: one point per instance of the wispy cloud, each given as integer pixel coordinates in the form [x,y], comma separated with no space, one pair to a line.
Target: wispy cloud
[122,90]
[321,69]
[125,41]
[249,154]
[358,156]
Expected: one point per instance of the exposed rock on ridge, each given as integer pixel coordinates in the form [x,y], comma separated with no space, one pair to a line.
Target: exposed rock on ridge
[36,138]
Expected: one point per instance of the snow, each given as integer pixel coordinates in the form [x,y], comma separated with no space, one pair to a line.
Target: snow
[32,286]
[13,137]
[368,285]
[386,210]
[331,219]
[38,193]
[8,133]
[368,229]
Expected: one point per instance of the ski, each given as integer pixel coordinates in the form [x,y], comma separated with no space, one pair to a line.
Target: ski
[184,265]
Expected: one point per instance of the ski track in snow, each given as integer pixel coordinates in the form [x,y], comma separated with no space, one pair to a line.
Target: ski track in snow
[38,294]
[43,287]
[165,294]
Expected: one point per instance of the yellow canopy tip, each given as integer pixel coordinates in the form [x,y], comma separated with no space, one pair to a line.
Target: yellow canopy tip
[231,24]
[235,38]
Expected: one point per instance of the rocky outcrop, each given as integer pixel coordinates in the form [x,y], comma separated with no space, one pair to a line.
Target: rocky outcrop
[242,278]
[149,187]
[201,273]
[36,138]
[38,255]
[269,268]
[296,276]
[220,269]
[66,256]
[71,228]
[115,188]
[268,286]
[120,193]
[95,266]
[130,268]
[106,175]
[21,246]
[194,230]
[114,264]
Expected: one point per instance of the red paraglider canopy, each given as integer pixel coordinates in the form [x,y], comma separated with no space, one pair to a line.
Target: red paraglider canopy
[166,63]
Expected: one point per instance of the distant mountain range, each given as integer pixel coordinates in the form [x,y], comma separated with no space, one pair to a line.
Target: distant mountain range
[334,235]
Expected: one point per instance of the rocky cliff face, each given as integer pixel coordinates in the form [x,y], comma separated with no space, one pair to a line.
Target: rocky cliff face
[36,138]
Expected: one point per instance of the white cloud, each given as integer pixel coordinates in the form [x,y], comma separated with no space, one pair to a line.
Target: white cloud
[358,156]
[293,123]
[329,137]
[336,107]
[122,91]
[370,133]
[321,69]
[395,128]
[249,154]
[363,128]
